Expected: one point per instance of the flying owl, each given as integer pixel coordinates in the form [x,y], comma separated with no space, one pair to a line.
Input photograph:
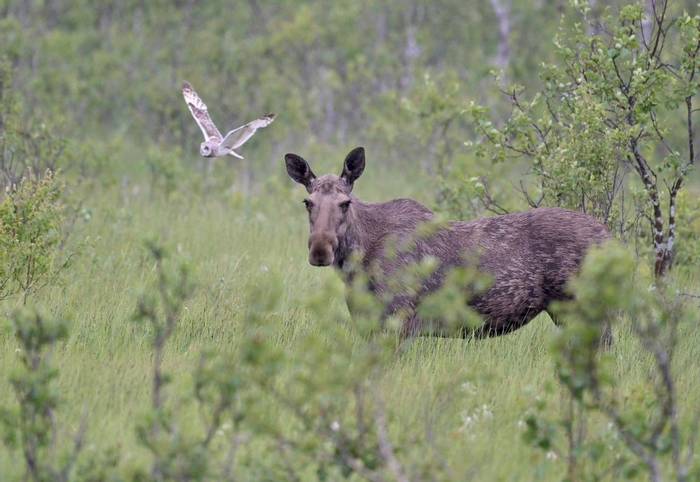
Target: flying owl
[216,145]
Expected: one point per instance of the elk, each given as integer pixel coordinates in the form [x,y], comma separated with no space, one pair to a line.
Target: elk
[529,256]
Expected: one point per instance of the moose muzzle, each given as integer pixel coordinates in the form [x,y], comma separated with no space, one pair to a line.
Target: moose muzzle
[321,248]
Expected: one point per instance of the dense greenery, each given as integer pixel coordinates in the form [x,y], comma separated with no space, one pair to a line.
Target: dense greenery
[617,100]
[188,339]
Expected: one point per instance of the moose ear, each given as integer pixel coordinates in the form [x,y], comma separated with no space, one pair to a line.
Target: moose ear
[354,165]
[299,170]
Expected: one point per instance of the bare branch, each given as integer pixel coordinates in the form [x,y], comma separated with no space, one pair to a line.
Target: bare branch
[531,202]
[661,137]
[489,203]
[385,447]
[78,442]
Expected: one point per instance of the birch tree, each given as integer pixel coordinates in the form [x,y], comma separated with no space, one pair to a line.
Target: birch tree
[615,102]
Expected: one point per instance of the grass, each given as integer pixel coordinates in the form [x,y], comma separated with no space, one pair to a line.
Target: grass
[474,393]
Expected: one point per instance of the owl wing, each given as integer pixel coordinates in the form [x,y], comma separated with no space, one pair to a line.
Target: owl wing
[238,137]
[200,113]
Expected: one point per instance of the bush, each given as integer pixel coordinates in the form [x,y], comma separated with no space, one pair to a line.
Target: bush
[31,217]
[648,436]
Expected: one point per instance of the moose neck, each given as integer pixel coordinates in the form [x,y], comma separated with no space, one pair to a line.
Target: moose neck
[370,225]
[366,225]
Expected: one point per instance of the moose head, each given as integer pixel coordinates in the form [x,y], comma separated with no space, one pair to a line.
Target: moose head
[329,204]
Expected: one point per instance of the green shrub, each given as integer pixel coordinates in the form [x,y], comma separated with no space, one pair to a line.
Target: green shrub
[31,216]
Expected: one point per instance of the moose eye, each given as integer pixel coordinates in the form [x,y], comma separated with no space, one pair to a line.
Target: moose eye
[308,204]
[345,205]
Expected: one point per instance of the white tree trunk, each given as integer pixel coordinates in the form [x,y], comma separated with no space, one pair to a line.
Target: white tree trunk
[502,11]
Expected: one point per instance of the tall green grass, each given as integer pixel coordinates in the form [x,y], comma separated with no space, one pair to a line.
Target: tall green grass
[471,395]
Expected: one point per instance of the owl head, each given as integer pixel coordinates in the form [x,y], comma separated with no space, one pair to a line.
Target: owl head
[206,149]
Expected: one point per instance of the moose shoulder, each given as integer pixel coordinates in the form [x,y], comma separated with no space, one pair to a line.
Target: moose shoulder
[529,256]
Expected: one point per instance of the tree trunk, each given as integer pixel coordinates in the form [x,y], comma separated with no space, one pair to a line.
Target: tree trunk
[502,12]
[411,49]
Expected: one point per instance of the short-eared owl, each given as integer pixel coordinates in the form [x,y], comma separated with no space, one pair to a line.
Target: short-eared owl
[216,145]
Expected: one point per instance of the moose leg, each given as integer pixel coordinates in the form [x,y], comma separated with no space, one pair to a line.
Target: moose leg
[556,319]
[412,326]
[606,336]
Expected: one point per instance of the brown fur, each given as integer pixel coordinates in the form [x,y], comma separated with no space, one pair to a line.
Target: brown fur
[529,256]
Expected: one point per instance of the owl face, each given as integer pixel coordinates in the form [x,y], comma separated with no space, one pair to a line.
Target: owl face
[206,149]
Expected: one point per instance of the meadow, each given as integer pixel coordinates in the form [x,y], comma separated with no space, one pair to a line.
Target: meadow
[471,395]
[471,109]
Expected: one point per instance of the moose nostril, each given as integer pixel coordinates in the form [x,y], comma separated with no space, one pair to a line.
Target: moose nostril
[318,252]
[320,255]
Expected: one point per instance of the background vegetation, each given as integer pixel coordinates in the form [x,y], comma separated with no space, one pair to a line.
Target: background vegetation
[162,320]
